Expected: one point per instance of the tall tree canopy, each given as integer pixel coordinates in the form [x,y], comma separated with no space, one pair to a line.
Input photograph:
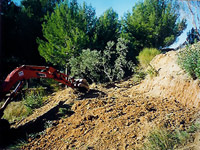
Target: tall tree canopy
[107,29]
[67,31]
[153,23]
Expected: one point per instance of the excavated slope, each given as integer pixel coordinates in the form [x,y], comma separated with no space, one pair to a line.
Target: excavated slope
[120,116]
[172,82]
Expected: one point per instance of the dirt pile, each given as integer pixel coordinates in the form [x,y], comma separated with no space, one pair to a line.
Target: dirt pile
[120,116]
[172,82]
[119,120]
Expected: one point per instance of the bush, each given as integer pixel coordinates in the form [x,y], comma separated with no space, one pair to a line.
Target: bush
[189,60]
[146,55]
[86,65]
[109,65]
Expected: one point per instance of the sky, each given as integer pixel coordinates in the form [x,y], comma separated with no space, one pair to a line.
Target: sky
[122,7]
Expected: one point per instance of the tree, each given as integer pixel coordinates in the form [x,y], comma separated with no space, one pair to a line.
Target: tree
[66,32]
[152,23]
[9,14]
[21,25]
[107,29]
[30,23]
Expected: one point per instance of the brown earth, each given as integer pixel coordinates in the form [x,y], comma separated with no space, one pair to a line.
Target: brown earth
[120,115]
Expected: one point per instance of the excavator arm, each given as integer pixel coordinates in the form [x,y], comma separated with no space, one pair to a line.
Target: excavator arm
[28,72]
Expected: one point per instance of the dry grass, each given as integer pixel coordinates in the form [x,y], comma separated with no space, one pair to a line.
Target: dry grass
[16,111]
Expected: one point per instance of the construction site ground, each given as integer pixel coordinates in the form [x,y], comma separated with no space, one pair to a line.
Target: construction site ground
[117,115]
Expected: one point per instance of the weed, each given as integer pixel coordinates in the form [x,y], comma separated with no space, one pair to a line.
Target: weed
[34,99]
[193,128]
[152,71]
[63,111]
[162,139]
[48,124]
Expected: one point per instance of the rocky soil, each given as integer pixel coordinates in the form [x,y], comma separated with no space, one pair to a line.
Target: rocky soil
[120,115]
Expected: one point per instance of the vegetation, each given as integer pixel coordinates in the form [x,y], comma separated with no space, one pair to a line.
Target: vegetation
[19,110]
[107,66]
[146,55]
[162,139]
[189,60]
[65,32]
[64,29]
[16,111]
[34,100]
[152,23]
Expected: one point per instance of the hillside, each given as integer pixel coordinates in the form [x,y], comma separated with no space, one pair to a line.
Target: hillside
[118,115]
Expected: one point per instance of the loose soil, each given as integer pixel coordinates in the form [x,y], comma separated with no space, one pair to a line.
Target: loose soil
[120,115]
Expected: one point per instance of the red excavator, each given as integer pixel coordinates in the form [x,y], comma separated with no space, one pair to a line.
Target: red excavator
[20,74]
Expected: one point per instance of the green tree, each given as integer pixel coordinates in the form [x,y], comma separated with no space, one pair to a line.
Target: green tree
[21,25]
[152,23]
[66,32]
[107,29]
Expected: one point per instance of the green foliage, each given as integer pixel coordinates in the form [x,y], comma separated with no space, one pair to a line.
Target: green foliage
[114,62]
[146,55]
[152,23]
[109,65]
[189,60]
[86,65]
[66,32]
[34,99]
[107,29]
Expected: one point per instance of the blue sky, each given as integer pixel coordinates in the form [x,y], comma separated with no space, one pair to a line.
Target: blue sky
[122,7]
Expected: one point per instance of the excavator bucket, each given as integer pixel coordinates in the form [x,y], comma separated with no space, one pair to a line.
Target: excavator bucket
[82,85]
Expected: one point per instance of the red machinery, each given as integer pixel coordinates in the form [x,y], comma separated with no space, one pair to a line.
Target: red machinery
[20,74]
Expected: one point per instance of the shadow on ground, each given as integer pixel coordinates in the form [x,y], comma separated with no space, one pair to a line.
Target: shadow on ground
[12,136]
[91,94]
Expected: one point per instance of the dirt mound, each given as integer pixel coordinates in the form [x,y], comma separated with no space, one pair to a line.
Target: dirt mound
[120,116]
[118,120]
[172,82]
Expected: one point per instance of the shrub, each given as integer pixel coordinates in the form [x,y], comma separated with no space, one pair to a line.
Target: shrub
[146,55]
[86,65]
[109,65]
[189,60]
